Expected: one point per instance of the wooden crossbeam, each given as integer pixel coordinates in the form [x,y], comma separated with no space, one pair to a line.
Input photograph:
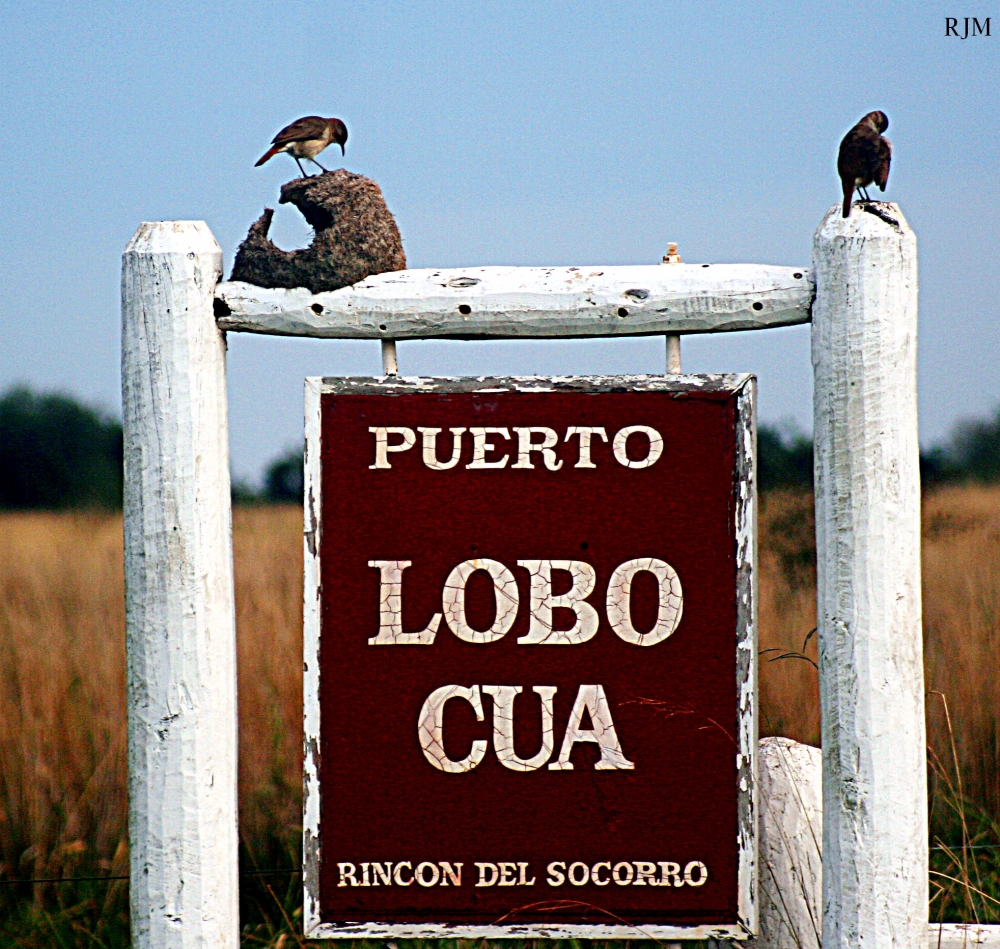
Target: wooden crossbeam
[529,303]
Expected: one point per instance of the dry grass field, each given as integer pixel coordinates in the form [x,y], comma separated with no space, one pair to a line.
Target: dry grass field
[63,807]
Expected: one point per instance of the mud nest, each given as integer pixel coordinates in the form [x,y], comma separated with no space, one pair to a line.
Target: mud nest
[356,236]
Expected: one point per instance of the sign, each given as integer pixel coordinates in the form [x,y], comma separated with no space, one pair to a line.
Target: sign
[530,658]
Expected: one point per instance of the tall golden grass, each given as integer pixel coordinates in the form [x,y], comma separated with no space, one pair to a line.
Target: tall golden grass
[961,602]
[63,800]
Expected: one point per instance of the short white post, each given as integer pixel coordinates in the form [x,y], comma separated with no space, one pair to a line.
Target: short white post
[180,616]
[790,832]
[390,365]
[673,354]
[864,350]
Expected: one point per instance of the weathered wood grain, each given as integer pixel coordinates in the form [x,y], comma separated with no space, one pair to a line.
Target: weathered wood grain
[791,845]
[180,615]
[864,350]
[529,303]
[791,874]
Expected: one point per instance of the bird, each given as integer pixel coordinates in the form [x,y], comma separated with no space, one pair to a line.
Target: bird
[864,157]
[306,138]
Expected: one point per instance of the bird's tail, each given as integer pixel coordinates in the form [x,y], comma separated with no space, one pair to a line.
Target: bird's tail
[270,153]
[848,194]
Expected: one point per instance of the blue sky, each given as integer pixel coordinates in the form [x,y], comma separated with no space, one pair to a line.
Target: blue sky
[513,133]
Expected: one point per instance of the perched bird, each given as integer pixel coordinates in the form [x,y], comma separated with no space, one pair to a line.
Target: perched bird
[306,138]
[864,157]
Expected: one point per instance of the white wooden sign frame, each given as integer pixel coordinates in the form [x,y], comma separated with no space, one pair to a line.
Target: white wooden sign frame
[861,296]
[745,532]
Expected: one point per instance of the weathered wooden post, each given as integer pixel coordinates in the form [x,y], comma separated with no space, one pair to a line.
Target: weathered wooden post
[790,837]
[180,617]
[864,351]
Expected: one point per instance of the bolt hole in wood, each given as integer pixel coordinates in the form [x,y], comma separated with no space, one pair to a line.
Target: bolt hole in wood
[464,309]
[622,311]
[381,326]
[317,308]
[797,276]
[758,305]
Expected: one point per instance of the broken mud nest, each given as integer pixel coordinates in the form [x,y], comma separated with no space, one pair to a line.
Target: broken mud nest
[356,236]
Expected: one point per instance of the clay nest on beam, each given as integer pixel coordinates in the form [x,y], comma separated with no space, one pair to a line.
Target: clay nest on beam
[356,236]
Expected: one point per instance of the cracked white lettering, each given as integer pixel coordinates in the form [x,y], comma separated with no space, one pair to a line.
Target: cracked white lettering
[583,579]
[382,446]
[431,873]
[430,729]
[542,602]
[504,590]
[526,445]
[532,441]
[503,726]
[390,609]
[590,700]
[619,599]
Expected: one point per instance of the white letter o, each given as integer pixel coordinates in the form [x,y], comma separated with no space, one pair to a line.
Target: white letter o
[504,590]
[702,873]
[419,874]
[616,873]
[655,446]
[620,598]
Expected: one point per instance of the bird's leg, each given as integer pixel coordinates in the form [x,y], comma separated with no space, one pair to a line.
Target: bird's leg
[297,162]
[865,192]
[313,160]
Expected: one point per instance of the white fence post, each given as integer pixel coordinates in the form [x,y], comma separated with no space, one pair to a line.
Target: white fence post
[180,617]
[791,845]
[864,350]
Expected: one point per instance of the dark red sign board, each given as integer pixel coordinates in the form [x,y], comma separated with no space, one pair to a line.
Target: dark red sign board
[530,658]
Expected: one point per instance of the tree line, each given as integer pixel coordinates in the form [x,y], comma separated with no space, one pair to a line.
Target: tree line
[57,453]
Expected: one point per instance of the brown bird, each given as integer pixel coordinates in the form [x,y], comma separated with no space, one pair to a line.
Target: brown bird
[306,138]
[864,157]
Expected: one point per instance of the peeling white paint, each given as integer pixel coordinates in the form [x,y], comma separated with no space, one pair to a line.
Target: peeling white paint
[312,588]
[530,302]
[745,515]
[791,843]
[864,348]
[180,615]
[522,931]
[963,936]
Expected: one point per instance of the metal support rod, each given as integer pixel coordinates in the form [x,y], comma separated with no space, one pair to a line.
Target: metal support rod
[673,339]
[864,351]
[180,617]
[673,354]
[390,367]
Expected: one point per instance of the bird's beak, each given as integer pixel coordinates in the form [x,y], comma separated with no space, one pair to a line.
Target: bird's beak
[342,152]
